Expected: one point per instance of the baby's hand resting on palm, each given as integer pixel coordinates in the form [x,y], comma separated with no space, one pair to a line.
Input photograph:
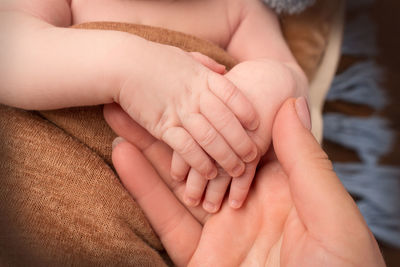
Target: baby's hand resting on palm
[196,111]
[267,84]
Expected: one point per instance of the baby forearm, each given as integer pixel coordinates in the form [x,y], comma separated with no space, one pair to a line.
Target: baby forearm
[259,38]
[46,67]
[259,35]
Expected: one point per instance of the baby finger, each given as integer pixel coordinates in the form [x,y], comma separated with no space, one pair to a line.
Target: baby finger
[234,99]
[213,143]
[182,142]
[229,127]
[179,167]
[195,186]
[240,186]
[215,192]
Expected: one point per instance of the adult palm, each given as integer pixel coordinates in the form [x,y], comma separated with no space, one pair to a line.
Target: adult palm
[297,212]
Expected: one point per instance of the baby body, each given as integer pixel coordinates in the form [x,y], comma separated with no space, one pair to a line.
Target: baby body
[184,99]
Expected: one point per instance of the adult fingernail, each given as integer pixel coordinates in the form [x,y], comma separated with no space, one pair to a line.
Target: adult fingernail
[117,141]
[210,207]
[303,112]
[235,204]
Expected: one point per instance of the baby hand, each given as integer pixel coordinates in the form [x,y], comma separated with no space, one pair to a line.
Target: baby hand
[197,112]
[266,84]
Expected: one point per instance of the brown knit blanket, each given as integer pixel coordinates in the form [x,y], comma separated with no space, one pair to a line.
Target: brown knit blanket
[61,202]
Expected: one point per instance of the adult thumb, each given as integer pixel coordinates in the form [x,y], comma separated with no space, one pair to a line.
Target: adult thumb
[318,195]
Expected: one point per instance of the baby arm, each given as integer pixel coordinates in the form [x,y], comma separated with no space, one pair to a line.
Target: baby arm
[268,74]
[45,66]
[178,100]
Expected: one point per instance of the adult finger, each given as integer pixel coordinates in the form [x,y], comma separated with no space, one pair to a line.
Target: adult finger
[320,199]
[127,128]
[156,152]
[178,230]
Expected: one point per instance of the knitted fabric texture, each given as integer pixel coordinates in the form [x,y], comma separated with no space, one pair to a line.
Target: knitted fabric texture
[289,6]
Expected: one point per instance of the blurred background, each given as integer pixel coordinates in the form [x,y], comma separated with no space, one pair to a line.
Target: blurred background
[362,117]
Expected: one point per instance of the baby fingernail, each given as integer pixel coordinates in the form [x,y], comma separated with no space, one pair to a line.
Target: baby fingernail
[238,170]
[191,201]
[223,68]
[253,125]
[210,207]
[212,174]
[303,112]
[175,177]
[251,156]
[235,204]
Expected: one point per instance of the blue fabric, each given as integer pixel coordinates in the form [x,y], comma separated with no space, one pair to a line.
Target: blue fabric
[289,6]
[370,137]
[360,84]
[377,187]
[360,36]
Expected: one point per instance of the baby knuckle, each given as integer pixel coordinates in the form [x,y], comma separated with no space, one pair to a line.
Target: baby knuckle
[205,166]
[216,190]
[194,189]
[229,92]
[209,137]
[186,147]
[229,160]
[165,120]
[166,133]
[242,188]
[170,133]
[223,120]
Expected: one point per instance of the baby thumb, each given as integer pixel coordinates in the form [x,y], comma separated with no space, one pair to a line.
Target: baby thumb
[208,62]
[318,195]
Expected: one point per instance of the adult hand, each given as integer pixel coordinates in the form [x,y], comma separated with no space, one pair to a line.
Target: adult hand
[297,212]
